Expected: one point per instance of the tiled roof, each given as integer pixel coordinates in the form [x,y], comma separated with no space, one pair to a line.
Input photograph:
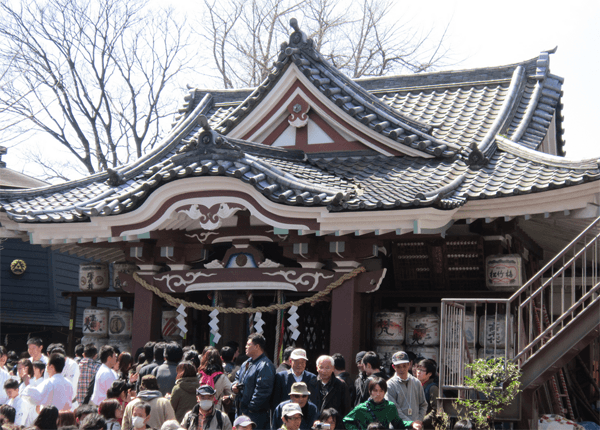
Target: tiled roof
[342,183]
[494,116]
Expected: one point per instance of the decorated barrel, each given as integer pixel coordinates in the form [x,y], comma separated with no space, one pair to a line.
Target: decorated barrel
[504,272]
[489,353]
[385,353]
[119,268]
[169,328]
[93,277]
[124,345]
[492,331]
[423,329]
[95,322]
[470,329]
[389,328]
[99,342]
[431,352]
[119,324]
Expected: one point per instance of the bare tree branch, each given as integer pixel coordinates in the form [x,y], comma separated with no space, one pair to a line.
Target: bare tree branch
[93,75]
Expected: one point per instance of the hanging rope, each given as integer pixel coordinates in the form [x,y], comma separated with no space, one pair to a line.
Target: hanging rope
[173,301]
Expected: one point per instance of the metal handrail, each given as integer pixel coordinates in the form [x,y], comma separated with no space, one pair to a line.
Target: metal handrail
[524,344]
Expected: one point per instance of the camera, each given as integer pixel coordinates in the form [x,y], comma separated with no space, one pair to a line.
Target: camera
[322,426]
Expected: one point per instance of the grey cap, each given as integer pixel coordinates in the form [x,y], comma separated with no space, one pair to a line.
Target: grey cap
[290,409]
[360,356]
[205,390]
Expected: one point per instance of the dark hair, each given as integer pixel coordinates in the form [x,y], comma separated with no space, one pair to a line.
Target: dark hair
[173,352]
[35,340]
[108,407]
[58,350]
[141,358]
[83,410]
[3,350]
[47,419]
[411,356]
[93,422]
[376,425]
[53,346]
[28,364]
[149,382]
[463,425]
[188,369]
[373,359]
[429,366]
[79,350]
[125,361]
[258,339]
[106,352]
[330,413]
[119,386]
[211,362]
[39,364]
[66,418]
[159,351]
[8,412]
[58,361]
[11,384]
[227,353]
[90,350]
[143,405]
[149,351]
[376,380]
[233,344]
[339,362]
[288,352]
[192,356]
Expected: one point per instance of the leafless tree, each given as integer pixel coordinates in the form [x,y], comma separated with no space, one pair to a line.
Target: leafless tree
[93,75]
[358,37]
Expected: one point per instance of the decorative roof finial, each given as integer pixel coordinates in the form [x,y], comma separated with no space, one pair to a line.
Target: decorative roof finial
[294,24]
[297,37]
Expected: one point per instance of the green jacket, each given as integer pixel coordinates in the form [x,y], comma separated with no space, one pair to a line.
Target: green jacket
[367,412]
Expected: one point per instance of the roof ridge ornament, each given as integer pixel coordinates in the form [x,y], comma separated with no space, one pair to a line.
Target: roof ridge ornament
[476,159]
[207,138]
[299,41]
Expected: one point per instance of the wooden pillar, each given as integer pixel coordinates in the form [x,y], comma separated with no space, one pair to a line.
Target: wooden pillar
[146,315]
[345,322]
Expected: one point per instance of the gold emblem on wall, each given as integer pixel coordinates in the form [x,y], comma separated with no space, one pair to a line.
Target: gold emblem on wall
[18,267]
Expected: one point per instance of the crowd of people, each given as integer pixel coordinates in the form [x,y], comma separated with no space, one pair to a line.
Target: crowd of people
[169,387]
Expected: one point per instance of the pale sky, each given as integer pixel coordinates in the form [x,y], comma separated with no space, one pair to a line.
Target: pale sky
[485,33]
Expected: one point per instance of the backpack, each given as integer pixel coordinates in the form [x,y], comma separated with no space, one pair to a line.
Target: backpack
[209,379]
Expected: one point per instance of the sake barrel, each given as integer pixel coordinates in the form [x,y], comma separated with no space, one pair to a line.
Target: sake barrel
[431,352]
[170,331]
[124,345]
[489,352]
[119,324]
[99,342]
[385,353]
[389,328]
[93,277]
[492,331]
[423,329]
[119,268]
[95,322]
[470,330]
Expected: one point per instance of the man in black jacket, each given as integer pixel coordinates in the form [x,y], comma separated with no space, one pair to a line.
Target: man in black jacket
[329,391]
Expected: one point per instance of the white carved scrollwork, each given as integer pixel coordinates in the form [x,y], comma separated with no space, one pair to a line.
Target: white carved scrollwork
[178,280]
[303,279]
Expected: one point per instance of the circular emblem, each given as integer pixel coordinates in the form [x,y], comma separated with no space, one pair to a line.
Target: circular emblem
[18,267]
[99,280]
[117,325]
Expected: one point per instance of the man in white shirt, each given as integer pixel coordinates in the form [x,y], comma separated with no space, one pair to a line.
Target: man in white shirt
[55,390]
[406,391]
[105,375]
[34,348]
[71,370]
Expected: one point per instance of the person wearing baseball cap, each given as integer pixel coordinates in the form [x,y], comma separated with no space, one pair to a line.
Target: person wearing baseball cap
[405,391]
[204,416]
[298,394]
[285,380]
[292,417]
[243,423]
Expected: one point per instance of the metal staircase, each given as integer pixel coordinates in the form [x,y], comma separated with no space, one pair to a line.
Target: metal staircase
[542,326]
